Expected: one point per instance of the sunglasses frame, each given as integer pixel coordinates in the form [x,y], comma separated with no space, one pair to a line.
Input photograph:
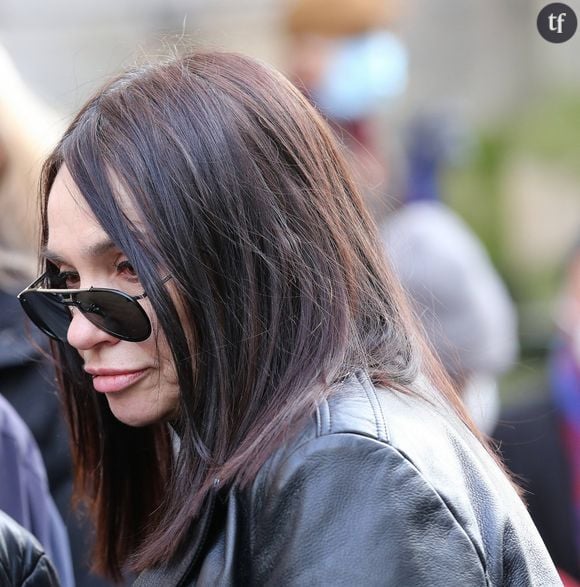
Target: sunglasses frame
[67,298]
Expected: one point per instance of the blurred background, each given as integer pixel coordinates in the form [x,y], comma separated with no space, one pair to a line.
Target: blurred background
[482,110]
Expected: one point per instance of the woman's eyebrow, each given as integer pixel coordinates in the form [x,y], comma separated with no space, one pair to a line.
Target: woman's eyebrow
[93,250]
[49,255]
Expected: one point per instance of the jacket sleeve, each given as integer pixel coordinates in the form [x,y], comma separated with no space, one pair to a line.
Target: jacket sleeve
[22,560]
[348,510]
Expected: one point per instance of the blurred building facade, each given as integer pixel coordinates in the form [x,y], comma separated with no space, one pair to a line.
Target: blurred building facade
[483,57]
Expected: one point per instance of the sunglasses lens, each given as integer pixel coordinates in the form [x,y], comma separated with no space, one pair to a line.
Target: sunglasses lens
[47,312]
[115,313]
[110,311]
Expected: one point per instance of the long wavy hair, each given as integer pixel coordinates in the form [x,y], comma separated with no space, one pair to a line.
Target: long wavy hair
[243,196]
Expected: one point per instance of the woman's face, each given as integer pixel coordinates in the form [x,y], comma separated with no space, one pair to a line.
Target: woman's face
[137,378]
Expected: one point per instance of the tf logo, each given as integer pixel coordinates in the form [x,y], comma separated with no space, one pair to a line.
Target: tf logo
[557,22]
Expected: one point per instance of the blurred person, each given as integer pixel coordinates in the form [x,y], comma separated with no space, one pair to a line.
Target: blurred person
[540,438]
[434,141]
[250,400]
[22,559]
[344,57]
[462,302]
[28,130]
[24,493]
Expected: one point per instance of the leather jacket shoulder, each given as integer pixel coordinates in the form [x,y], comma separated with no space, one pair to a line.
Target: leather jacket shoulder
[380,488]
[22,560]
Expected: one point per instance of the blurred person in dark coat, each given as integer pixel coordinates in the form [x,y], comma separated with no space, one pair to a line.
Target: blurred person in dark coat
[24,493]
[540,439]
[22,559]
[28,130]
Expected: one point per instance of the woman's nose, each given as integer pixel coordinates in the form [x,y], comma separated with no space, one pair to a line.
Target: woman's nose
[83,334]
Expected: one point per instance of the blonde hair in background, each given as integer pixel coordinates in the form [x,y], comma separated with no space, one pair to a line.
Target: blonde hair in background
[28,131]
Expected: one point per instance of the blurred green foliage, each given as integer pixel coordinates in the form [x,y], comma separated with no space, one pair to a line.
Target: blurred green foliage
[546,129]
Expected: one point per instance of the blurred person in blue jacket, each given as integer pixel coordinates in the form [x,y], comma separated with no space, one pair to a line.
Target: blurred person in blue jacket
[24,493]
[540,438]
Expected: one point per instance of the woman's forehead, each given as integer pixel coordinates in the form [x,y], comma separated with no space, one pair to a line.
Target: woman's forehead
[67,209]
[66,202]
[74,232]
[72,225]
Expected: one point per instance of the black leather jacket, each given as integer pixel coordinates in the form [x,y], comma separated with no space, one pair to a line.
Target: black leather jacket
[380,488]
[22,560]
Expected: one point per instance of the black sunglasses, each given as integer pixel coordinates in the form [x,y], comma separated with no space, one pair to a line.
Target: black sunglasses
[111,310]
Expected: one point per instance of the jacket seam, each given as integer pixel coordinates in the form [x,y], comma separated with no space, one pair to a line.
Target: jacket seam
[267,472]
[370,402]
[385,443]
[318,422]
[383,419]
[480,554]
[329,418]
[372,395]
[40,557]
[316,438]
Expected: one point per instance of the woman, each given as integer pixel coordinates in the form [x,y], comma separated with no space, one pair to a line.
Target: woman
[248,397]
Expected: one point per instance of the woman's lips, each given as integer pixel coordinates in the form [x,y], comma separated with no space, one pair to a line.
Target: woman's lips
[117,381]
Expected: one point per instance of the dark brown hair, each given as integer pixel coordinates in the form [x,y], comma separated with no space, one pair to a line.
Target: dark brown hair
[244,198]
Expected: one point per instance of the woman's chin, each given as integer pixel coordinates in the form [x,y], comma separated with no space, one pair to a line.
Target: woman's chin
[138,413]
